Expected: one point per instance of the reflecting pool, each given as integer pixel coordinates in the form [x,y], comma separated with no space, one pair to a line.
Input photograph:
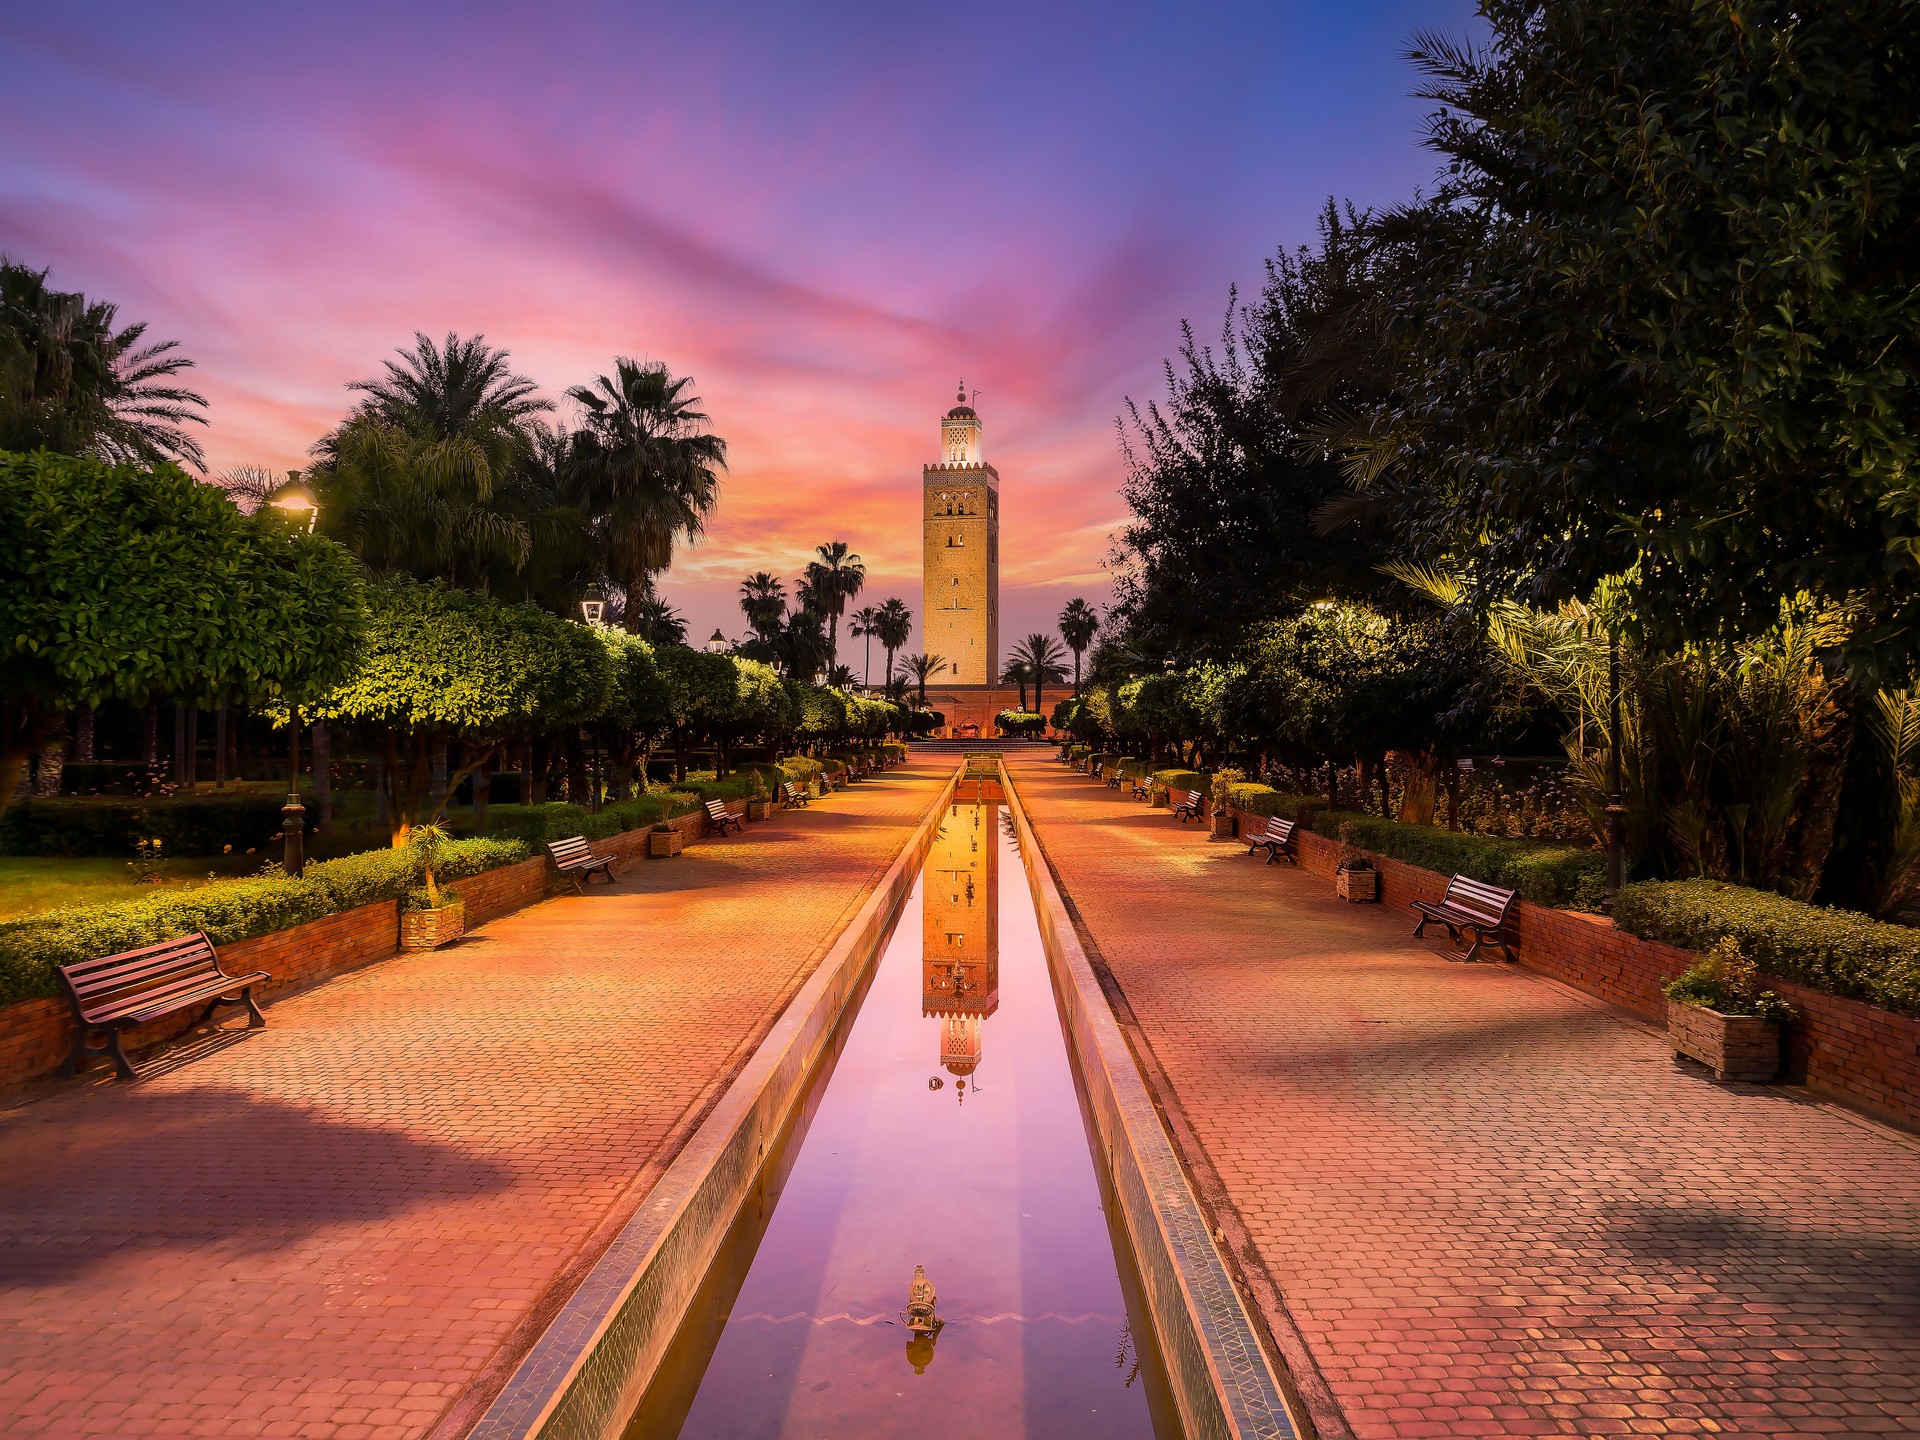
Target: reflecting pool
[929,1253]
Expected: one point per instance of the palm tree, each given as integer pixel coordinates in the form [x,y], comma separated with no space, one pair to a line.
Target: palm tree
[1039,654]
[763,599]
[654,620]
[1078,622]
[72,383]
[647,465]
[802,645]
[865,621]
[840,677]
[922,668]
[832,580]
[893,628]
[1017,672]
[460,387]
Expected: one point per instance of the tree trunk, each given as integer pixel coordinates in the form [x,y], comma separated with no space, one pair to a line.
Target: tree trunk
[221,738]
[150,737]
[323,777]
[1418,799]
[537,768]
[576,753]
[482,792]
[179,757]
[383,786]
[83,733]
[193,746]
[437,771]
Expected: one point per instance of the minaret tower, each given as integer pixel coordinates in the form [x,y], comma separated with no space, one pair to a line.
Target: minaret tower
[960,601]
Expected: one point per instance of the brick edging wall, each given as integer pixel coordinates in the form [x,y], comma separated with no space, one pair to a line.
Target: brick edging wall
[1854,1052]
[37,1035]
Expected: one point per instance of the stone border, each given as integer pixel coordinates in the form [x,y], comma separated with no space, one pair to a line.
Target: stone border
[1222,1381]
[586,1374]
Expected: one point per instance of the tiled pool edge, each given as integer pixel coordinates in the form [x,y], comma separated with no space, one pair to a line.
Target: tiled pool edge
[586,1373]
[1222,1383]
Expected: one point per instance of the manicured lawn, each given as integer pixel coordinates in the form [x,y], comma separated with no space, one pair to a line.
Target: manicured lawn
[30,883]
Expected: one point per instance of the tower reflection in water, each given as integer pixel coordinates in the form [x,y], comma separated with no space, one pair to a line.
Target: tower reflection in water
[960,939]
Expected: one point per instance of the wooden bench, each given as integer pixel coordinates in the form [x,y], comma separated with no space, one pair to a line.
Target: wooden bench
[1113,780]
[1093,768]
[793,796]
[1185,804]
[573,859]
[1476,908]
[1277,839]
[1142,787]
[118,992]
[722,817]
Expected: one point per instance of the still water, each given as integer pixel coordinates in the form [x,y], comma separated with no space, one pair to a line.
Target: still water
[946,1134]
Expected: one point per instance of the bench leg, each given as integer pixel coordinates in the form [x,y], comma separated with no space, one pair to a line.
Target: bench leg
[1420,930]
[255,1020]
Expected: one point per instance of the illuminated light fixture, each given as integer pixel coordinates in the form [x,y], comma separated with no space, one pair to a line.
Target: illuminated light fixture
[593,608]
[718,644]
[296,497]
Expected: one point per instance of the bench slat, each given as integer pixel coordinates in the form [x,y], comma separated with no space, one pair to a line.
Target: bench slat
[186,944]
[145,976]
[149,1003]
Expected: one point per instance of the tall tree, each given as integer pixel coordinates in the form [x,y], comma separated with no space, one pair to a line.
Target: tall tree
[802,645]
[1039,654]
[833,580]
[654,620]
[1078,623]
[1017,672]
[865,621]
[1658,322]
[893,627]
[922,668]
[72,383]
[648,468]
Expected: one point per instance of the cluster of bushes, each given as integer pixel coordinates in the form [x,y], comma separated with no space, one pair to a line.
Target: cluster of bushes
[227,910]
[1547,874]
[1837,951]
[103,825]
[535,825]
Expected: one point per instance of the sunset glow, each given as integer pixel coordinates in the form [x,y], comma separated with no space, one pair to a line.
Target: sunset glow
[827,215]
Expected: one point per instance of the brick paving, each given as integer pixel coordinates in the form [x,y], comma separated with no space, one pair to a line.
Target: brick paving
[1472,1201]
[351,1224]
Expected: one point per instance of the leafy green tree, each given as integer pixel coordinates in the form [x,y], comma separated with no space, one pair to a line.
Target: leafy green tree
[648,470]
[1658,323]
[1223,480]
[702,697]
[638,703]
[125,583]
[1078,622]
[71,382]
[439,665]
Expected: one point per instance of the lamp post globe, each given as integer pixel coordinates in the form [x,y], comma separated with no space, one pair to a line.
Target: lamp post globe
[296,498]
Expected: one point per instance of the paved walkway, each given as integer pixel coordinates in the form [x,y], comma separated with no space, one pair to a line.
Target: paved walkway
[1472,1201]
[352,1223]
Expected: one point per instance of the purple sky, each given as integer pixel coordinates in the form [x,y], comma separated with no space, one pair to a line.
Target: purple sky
[826,214]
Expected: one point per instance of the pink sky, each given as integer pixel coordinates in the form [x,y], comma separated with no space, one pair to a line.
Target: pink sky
[826,216]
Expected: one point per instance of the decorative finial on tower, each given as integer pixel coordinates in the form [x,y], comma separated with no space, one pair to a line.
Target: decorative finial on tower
[961,398]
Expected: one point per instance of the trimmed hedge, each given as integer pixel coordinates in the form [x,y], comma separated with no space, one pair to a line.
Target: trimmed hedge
[1836,951]
[1185,780]
[185,825]
[535,825]
[1547,874]
[228,910]
[1265,801]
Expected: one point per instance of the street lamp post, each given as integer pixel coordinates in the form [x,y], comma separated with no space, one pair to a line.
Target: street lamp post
[1616,799]
[295,498]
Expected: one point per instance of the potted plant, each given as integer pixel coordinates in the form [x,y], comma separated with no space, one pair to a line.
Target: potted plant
[1355,879]
[663,841]
[1221,793]
[1718,1014]
[430,916]
[760,803]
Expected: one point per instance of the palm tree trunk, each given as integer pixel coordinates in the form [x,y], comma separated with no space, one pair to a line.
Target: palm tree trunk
[1076,674]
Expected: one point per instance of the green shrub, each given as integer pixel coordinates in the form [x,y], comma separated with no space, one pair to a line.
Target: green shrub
[1544,873]
[228,910]
[1265,801]
[801,769]
[198,824]
[1838,951]
[1183,780]
[1724,979]
[1079,752]
[739,787]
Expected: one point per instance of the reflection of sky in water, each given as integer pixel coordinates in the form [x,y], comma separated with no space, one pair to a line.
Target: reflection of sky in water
[986,1180]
